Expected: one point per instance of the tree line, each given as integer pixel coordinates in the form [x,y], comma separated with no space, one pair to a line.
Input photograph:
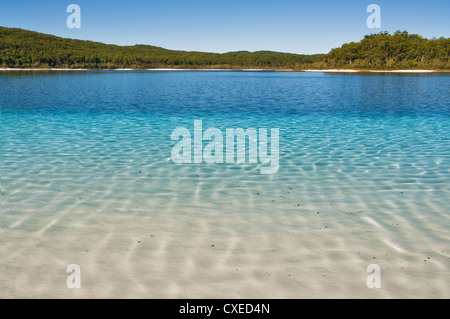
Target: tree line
[400,50]
[28,49]
[23,49]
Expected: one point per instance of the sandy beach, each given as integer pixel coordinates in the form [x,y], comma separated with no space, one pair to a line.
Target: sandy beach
[378,71]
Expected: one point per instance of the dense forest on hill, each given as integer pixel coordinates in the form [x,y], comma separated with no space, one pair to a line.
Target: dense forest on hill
[398,51]
[21,48]
[28,49]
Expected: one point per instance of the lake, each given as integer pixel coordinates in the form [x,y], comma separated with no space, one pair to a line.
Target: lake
[88,178]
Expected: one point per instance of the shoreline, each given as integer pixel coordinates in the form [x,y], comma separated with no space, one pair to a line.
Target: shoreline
[375,71]
[250,70]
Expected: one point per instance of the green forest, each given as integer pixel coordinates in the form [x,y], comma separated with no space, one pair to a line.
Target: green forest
[398,51]
[28,49]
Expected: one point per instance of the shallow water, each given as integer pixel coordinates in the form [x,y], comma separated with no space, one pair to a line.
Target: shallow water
[86,178]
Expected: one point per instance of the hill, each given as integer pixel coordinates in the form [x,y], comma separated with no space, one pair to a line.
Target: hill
[398,51]
[24,49]
[28,49]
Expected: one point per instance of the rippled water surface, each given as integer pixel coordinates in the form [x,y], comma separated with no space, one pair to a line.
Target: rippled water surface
[86,179]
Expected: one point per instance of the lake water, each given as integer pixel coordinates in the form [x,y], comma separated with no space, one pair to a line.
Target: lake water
[87,178]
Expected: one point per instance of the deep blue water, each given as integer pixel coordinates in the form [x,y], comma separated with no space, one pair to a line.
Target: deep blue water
[227,94]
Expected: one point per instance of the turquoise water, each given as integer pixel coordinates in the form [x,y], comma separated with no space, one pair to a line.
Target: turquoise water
[86,178]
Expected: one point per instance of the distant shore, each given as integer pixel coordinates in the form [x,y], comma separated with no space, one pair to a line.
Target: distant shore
[378,71]
[274,70]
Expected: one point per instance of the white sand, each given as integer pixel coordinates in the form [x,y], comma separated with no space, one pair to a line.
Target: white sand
[380,71]
[406,71]
[333,70]
[169,69]
[204,253]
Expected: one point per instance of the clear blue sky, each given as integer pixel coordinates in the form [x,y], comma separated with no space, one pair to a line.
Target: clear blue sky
[228,25]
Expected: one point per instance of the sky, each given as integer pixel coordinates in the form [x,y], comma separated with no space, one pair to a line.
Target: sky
[296,26]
